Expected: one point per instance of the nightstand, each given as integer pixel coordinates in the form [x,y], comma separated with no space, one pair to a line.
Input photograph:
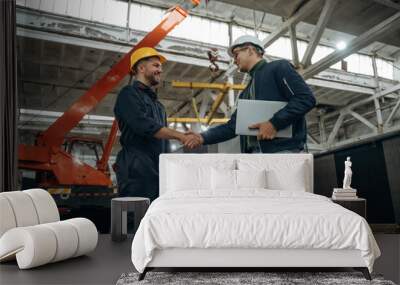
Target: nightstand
[358,205]
[119,215]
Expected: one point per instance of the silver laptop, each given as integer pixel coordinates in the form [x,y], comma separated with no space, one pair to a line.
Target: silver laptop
[251,112]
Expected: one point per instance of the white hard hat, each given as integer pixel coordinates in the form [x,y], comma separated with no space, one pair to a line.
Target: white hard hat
[246,39]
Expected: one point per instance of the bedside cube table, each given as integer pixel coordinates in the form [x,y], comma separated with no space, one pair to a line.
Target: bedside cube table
[358,206]
[119,219]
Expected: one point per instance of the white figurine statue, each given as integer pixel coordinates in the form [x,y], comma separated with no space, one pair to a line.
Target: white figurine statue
[347,174]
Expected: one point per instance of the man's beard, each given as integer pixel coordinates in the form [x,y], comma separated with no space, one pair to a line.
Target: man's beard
[153,80]
[243,69]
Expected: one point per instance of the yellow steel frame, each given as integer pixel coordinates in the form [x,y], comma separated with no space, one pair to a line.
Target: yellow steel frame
[223,87]
[204,85]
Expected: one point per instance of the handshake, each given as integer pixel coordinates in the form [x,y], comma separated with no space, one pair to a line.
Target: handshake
[191,139]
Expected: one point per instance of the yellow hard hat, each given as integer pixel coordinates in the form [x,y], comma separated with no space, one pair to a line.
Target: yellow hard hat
[145,52]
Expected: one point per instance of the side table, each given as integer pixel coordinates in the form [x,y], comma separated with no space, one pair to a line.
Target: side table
[119,215]
[358,205]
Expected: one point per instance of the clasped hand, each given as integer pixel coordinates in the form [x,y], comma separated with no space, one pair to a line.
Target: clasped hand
[192,140]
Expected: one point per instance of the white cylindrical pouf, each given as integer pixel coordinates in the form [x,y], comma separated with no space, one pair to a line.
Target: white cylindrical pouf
[34,246]
[23,208]
[87,235]
[7,218]
[67,239]
[45,206]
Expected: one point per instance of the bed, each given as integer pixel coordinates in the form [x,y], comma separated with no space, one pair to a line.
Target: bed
[246,211]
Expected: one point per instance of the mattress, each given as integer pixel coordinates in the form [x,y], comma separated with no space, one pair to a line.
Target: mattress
[251,219]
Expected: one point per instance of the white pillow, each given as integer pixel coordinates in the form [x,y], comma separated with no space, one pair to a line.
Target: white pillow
[223,179]
[281,173]
[251,178]
[226,179]
[183,177]
[193,175]
[291,177]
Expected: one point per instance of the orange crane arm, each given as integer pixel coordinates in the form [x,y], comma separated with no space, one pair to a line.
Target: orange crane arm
[103,162]
[47,155]
[54,135]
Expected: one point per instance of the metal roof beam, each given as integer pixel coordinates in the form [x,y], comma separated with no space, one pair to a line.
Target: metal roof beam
[389,3]
[31,28]
[318,31]
[335,130]
[293,43]
[392,113]
[302,13]
[364,101]
[362,138]
[340,86]
[363,120]
[356,44]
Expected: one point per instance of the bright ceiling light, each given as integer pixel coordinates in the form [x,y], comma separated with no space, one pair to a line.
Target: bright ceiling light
[341,45]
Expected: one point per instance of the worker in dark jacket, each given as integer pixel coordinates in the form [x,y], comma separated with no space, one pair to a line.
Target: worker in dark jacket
[274,81]
[143,124]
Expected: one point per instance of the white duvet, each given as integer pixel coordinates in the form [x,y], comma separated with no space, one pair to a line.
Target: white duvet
[250,219]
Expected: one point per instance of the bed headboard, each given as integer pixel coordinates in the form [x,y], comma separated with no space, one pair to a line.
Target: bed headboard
[210,159]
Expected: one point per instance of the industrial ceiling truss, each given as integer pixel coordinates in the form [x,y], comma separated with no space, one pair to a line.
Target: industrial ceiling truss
[60,57]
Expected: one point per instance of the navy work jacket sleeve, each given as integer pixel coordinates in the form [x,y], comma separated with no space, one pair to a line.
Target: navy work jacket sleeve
[130,109]
[300,97]
[222,132]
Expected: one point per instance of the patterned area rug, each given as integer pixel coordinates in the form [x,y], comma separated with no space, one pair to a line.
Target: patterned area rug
[242,278]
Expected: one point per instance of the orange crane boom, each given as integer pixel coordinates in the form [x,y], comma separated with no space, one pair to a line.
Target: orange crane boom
[47,155]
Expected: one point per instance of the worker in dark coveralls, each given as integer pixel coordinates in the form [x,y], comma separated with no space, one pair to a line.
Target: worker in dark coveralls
[143,124]
[273,81]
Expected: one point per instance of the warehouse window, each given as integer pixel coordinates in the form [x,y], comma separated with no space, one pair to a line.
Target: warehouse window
[204,30]
[385,68]
[144,18]
[238,31]
[194,28]
[358,63]
[280,48]
[321,52]
[105,11]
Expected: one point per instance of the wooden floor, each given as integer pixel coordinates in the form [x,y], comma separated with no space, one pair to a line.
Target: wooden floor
[103,266]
